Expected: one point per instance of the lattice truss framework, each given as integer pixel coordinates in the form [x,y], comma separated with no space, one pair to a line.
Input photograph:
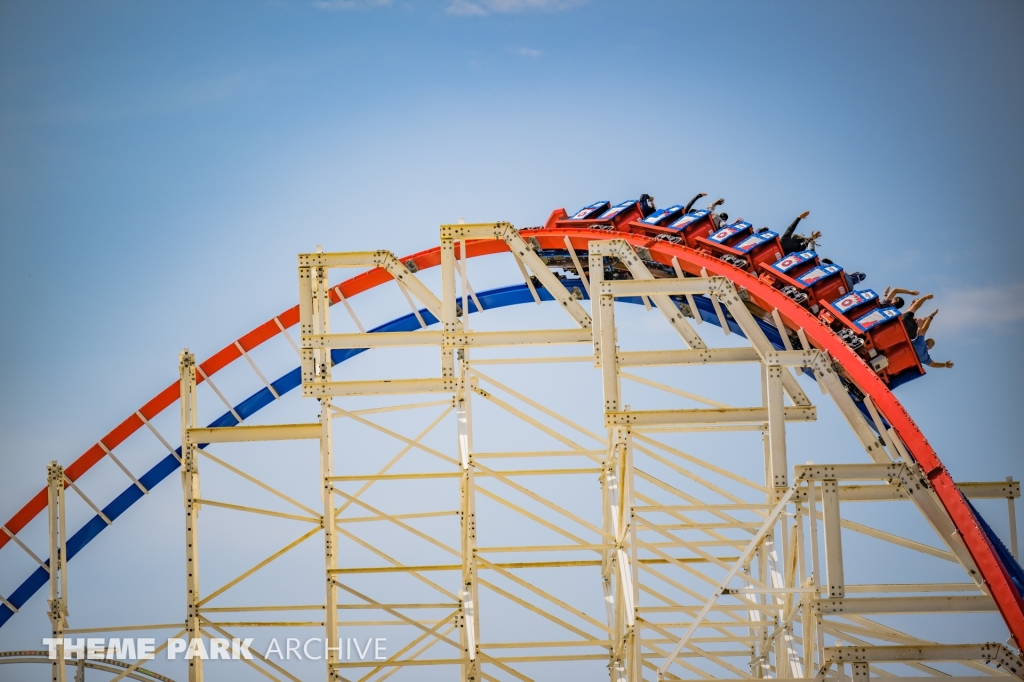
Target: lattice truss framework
[699,581]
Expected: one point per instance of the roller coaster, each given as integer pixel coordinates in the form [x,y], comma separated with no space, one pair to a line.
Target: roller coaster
[726,564]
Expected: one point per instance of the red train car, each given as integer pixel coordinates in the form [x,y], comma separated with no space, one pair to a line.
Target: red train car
[887,343]
[664,216]
[843,311]
[692,226]
[738,244]
[874,331]
[602,213]
[782,274]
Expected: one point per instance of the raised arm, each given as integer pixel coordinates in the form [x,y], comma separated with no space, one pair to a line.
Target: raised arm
[694,201]
[916,305]
[927,322]
[792,226]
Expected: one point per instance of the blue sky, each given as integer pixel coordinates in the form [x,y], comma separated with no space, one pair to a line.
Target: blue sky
[162,163]
[137,138]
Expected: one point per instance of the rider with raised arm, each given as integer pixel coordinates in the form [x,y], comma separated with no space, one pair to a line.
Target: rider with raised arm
[925,322]
[792,242]
[914,324]
[892,296]
[719,218]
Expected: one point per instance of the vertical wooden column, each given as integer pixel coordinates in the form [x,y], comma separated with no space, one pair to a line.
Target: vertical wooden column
[1011,508]
[614,493]
[306,324]
[763,575]
[58,577]
[190,488]
[636,649]
[609,494]
[319,320]
[468,590]
[776,426]
[603,309]
[332,648]
[612,584]
[620,577]
[752,632]
[833,540]
[815,657]
[806,617]
[449,304]
[596,277]
[777,481]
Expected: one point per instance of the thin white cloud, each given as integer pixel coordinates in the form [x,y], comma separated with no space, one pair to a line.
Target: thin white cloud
[464,8]
[469,8]
[978,309]
[524,5]
[336,5]
[529,52]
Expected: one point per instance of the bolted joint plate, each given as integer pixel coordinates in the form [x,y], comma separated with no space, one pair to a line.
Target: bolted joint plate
[497,230]
[848,472]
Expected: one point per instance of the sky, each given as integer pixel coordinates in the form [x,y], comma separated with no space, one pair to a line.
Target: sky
[162,163]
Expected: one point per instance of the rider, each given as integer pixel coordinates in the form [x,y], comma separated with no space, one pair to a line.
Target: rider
[719,218]
[852,278]
[792,243]
[922,346]
[892,296]
[914,324]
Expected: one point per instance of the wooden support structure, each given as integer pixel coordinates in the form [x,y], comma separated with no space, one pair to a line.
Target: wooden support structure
[705,571]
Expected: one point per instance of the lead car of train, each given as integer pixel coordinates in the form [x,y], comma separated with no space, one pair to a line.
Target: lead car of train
[876,332]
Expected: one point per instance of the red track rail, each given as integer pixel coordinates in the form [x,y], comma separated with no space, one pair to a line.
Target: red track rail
[994,574]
